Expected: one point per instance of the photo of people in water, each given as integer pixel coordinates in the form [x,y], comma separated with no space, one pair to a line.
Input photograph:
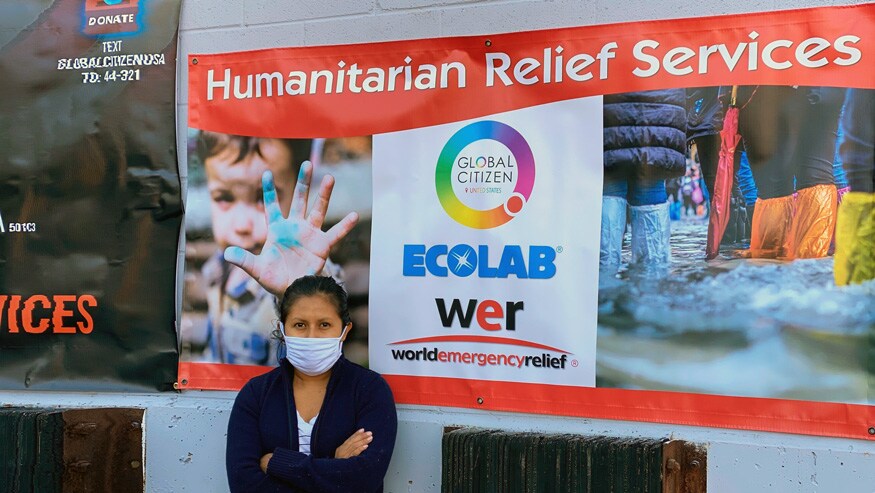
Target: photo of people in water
[737,250]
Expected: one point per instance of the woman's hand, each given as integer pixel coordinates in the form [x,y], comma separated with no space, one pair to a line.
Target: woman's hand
[264,460]
[354,445]
[296,246]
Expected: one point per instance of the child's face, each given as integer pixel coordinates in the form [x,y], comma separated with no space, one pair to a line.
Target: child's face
[236,197]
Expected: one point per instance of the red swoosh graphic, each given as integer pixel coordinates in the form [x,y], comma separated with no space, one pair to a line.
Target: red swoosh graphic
[483,339]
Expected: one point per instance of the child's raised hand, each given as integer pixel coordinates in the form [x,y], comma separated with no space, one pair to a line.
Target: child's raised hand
[296,246]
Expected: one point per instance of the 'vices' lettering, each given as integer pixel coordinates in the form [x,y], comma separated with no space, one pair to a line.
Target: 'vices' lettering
[58,314]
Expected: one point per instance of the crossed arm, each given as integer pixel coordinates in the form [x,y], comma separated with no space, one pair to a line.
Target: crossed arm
[353,446]
[292,471]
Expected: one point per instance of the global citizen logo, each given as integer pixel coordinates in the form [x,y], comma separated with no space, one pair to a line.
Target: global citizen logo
[485,174]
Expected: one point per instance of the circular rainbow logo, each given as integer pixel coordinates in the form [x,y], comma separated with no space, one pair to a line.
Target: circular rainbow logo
[525,162]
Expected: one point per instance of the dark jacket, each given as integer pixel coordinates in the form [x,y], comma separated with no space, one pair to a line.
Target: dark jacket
[705,111]
[264,420]
[858,142]
[646,129]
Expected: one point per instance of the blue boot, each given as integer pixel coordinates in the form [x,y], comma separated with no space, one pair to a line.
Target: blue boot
[613,228]
[651,232]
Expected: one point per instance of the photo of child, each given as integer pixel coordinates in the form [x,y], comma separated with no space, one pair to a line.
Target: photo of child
[248,205]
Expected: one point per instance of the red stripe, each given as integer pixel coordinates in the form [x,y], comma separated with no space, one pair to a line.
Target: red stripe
[481,339]
[745,413]
[373,113]
[217,376]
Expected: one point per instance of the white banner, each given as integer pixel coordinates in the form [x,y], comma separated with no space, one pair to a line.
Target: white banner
[484,261]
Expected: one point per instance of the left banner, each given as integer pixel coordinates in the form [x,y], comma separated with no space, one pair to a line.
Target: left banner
[90,196]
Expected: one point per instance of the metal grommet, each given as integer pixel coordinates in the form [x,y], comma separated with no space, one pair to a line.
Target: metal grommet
[488,42]
[175,385]
[872,430]
[184,381]
[480,400]
[194,61]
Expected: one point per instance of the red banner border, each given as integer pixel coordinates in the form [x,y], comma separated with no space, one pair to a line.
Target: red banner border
[826,419]
[716,411]
[217,376]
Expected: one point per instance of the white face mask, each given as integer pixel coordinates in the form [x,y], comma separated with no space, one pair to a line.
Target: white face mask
[314,355]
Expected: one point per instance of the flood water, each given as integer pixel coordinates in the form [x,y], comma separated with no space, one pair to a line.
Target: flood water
[737,327]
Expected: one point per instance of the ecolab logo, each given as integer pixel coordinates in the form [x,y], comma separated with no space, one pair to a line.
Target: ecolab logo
[534,262]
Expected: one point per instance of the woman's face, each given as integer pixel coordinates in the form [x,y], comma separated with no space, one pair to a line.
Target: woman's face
[313,316]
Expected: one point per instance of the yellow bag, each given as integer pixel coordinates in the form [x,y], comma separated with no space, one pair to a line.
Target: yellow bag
[855,239]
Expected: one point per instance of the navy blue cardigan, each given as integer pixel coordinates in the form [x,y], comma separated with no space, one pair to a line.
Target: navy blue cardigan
[263,420]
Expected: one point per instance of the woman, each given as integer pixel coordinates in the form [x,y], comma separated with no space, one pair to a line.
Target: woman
[317,423]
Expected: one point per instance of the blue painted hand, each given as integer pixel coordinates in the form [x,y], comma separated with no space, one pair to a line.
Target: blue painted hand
[296,245]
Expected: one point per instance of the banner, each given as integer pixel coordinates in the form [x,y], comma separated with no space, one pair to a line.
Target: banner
[632,221]
[90,202]
[484,278]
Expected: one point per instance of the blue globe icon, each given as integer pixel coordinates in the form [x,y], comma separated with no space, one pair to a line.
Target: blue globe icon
[462,260]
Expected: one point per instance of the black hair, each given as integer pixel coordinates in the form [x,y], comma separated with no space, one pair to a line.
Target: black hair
[315,285]
[211,143]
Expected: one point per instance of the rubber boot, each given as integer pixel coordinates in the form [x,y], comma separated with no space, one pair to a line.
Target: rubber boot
[855,239]
[651,232]
[731,233]
[770,228]
[613,228]
[748,222]
[814,222]
[737,227]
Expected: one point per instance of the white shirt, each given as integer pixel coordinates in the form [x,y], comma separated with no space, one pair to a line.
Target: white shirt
[305,430]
